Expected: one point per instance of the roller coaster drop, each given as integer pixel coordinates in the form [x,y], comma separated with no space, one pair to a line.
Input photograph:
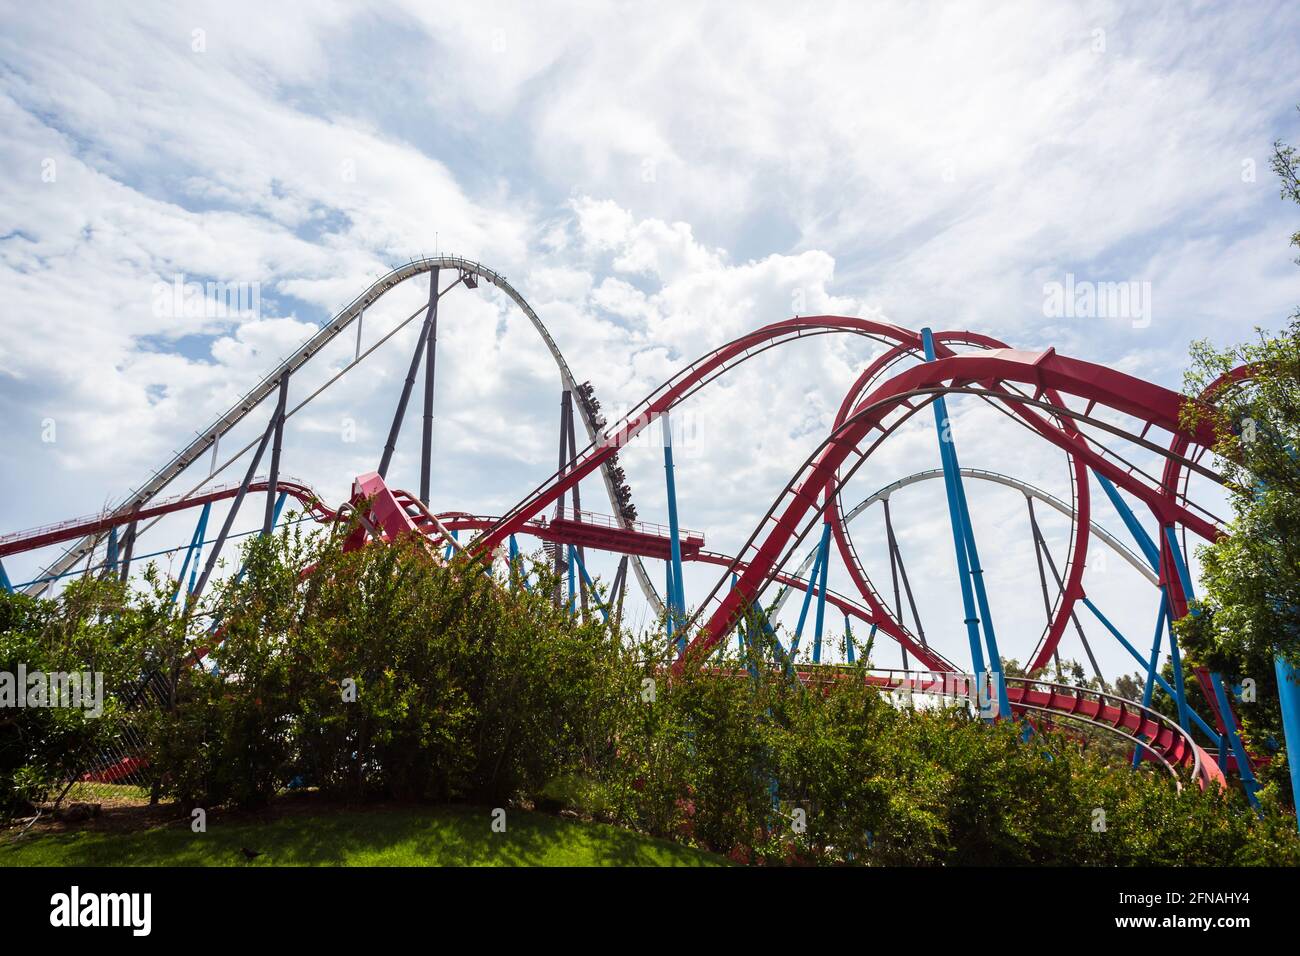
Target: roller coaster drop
[1034,388]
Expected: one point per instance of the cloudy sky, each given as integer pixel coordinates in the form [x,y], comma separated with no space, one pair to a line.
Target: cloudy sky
[655,179]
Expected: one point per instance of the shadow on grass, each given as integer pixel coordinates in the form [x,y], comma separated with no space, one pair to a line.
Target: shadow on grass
[406,836]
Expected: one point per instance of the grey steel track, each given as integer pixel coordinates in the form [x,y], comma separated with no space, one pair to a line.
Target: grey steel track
[206,439]
[1033,491]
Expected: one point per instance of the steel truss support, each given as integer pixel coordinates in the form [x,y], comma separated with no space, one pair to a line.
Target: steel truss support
[566,453]
[1153,554]
[1163,684]
[396,428]
[1248,782]
[968,565]
[821,593]
[277,423]
[1041,551]
[813,577]
[128,546]
[616,591]
[234,507]
[430,359]
[1288,692]
[590,585]
[898,572]
[1148,691]
[192,552]
[577,500]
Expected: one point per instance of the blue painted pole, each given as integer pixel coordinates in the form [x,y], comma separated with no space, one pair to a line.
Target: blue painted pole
[669,591]
[199,532]
[1149,688]
[1288,695]
[1146,544]
[1163,684]
[195,538]
[954,514]
[848,639]
[4,579]
[678,595]
[591,585]
[807,601]
[1248,781]
[740,625]
[825,549]
[573,579]
[1139,533]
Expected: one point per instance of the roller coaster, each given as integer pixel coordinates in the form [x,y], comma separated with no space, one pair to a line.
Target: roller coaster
[1084,409]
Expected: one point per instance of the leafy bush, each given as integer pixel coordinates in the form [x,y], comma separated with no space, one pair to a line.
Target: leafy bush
[383,673]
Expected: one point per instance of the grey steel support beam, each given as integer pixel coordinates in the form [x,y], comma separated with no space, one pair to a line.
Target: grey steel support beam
[615,598]
[1042,574]
[234,510]
[1040,541]
[566,412]
[268,521]
[396,428]
[577,505]
[128,546]
[431,344]
[907,586]
[893,571]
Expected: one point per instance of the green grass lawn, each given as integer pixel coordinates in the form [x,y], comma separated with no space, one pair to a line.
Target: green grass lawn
[421,836]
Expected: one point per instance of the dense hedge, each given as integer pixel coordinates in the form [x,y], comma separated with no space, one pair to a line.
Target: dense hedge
[384,674]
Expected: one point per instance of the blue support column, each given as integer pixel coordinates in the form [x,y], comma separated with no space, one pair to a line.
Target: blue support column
[963,543]
[1146,544]
[1163,684]
[1153,666]
[193,553]
[813,575]
[1288,695]
[848,638]
[4,579]
[1139,533]
[677,597]
[573,579]
[591,585]
[515,565]
[669,591]
[825,556]
[1248,781]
